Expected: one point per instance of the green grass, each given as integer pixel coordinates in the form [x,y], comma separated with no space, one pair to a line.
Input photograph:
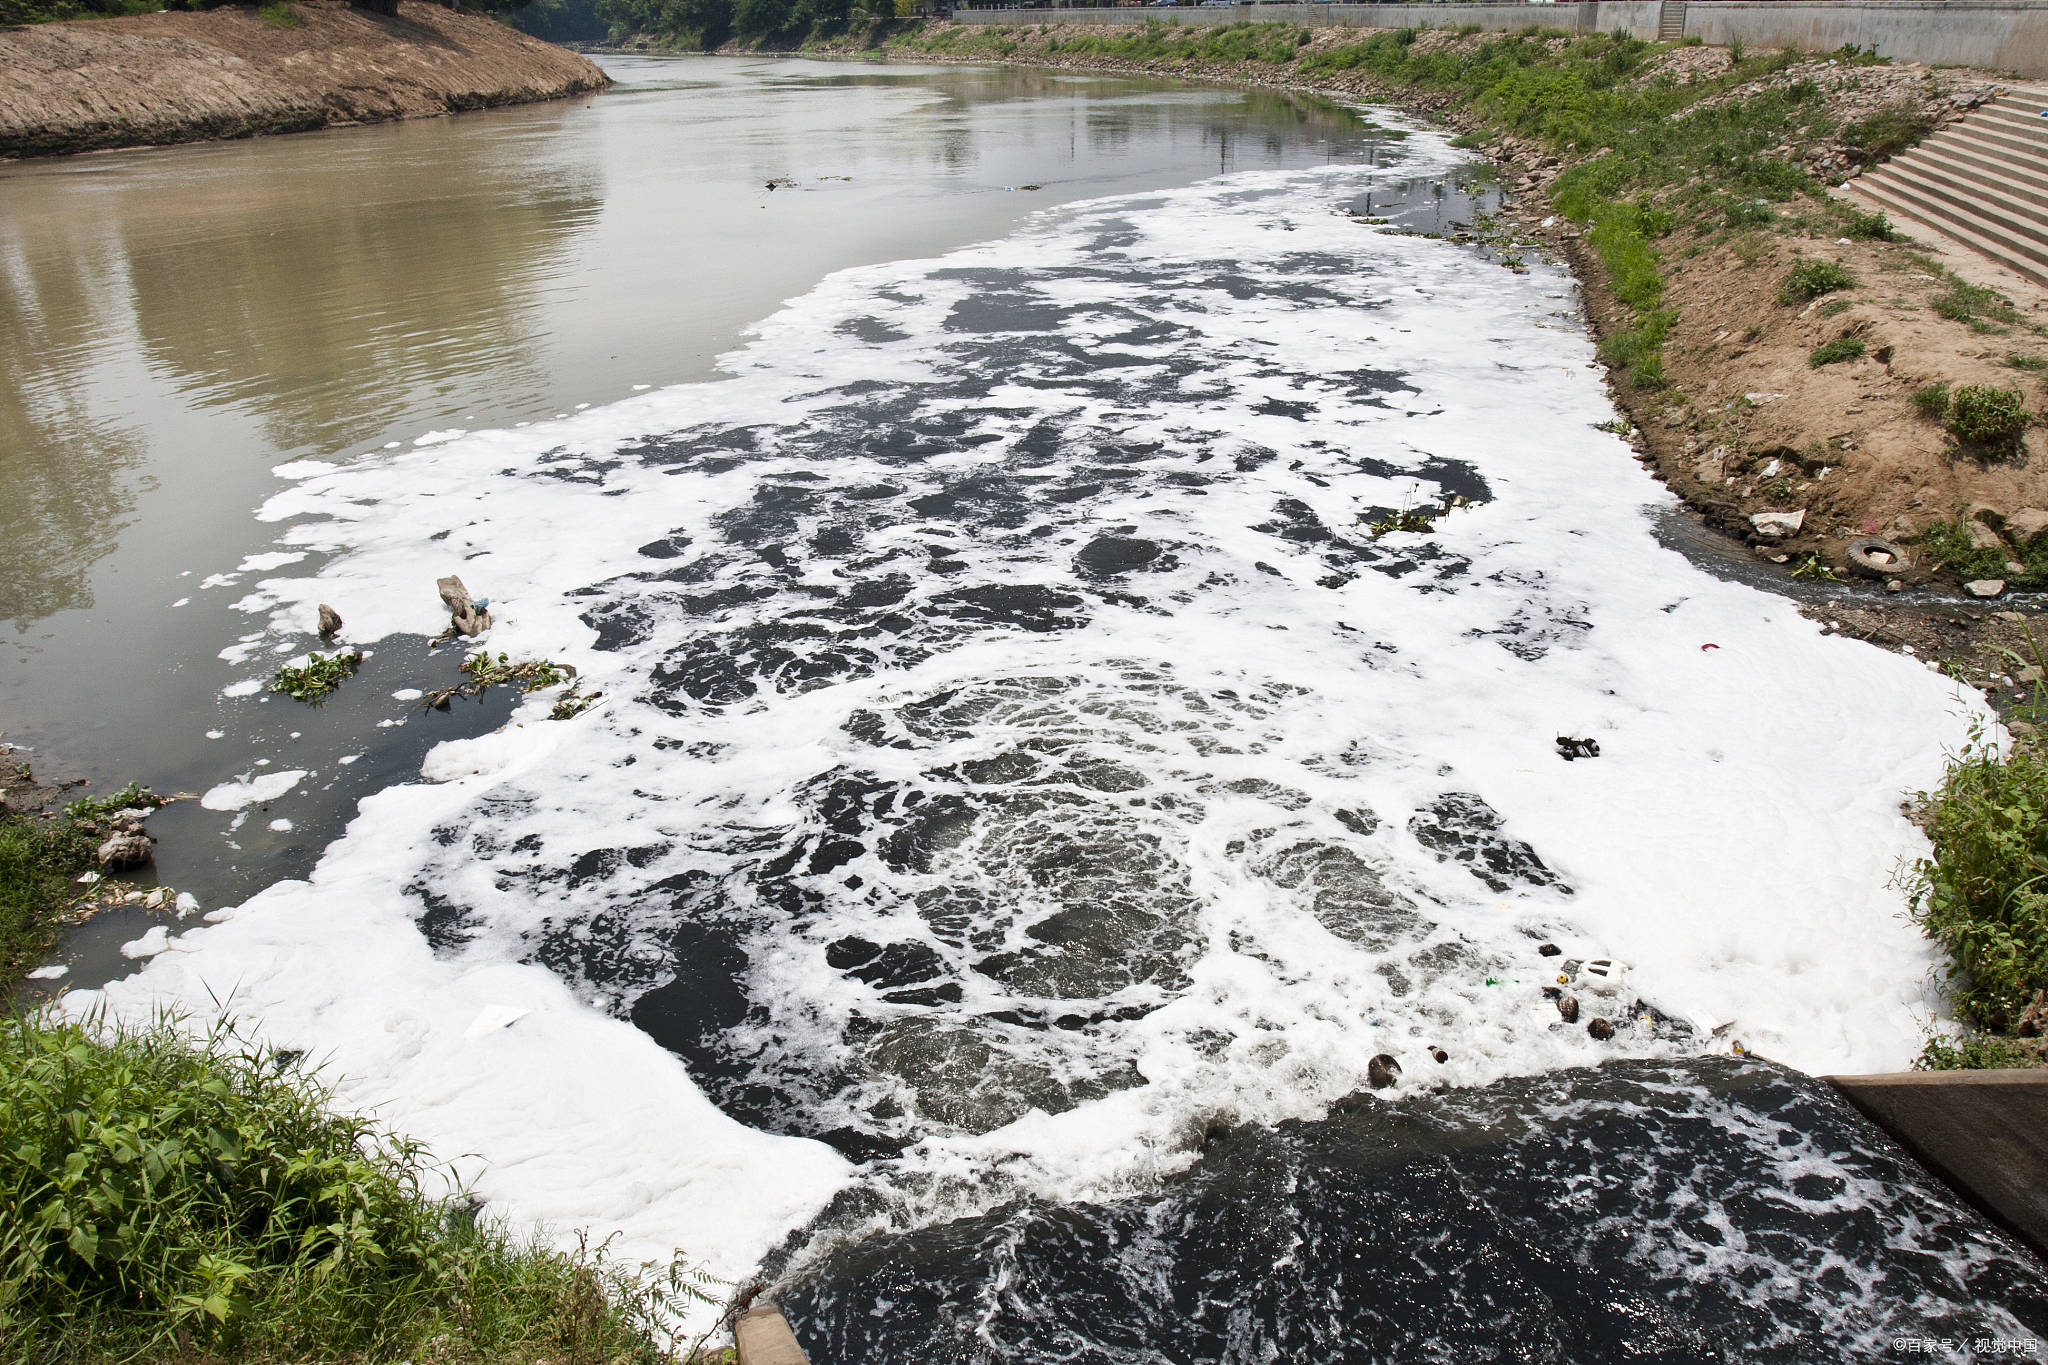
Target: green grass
[278,14]
[161,1197]
[1985,309]
[1836,351]
[1947,545]
[315,678]
[1931,400]
[1978,1052]
[1811,279]
[37,862]
[1869,227]
[2027,362]
[1886,133]
[1984,415]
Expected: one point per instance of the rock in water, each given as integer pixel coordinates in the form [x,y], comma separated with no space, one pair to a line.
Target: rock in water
[125,850]
[1382,1071]
[1568,1006]
[1549,950]
[330,621]
[1600,1029]
[1984,587]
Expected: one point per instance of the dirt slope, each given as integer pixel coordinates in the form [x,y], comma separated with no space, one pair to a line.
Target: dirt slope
[185,77]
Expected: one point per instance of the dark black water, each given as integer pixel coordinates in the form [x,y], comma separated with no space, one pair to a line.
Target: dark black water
[1717,1210]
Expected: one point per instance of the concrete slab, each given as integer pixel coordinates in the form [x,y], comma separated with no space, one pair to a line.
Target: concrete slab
[761,1336]
[1983,1132]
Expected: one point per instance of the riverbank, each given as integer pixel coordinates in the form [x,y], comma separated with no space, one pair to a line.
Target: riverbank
[1686,185]
[148,79]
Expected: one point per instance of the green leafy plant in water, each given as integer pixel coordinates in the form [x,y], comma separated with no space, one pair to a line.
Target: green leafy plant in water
[1811,279]
[130,797]
[487,670]
[531,674]
[1836,351]
[1987,416]
[574,704]
[1619,426]
[1420,520]
[315,678]
[1815,568]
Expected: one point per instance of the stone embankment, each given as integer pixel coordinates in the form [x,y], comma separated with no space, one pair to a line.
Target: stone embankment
[145,79]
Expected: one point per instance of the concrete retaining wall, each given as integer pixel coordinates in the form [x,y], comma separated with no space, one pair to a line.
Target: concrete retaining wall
[1998,35]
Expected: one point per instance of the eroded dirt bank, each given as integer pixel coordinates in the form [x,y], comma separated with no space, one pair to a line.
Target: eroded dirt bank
[186,77]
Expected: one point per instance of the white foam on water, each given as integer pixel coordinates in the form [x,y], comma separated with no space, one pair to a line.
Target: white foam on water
[1305,778]
[251,791]
[155,941]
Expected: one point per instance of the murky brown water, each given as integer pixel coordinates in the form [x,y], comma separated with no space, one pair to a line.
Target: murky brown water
[175,323]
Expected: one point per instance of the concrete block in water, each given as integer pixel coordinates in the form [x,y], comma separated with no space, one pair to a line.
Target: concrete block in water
[1983,1132]
[761,1336]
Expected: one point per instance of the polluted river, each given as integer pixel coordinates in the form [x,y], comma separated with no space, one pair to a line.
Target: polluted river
[1060,844]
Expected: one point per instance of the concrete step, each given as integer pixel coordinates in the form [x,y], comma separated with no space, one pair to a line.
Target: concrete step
[2025,198]
[1991,139]
[2018,121]
[1970,164]
[2000,226]
[1986,214]
[1914,211]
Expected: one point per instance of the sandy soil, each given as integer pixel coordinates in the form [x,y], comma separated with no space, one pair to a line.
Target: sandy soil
[230,72]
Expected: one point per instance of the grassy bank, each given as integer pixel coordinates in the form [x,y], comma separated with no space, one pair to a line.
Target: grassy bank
[169,1200]
[40,860]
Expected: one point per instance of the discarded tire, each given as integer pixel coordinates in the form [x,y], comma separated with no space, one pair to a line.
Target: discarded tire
[1874,558]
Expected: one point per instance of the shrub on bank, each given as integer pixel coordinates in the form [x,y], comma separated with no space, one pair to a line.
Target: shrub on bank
[1983,414]
[1983,894]
[1811,279]
[160,1196]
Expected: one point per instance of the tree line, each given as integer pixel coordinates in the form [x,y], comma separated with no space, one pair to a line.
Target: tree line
[707,23]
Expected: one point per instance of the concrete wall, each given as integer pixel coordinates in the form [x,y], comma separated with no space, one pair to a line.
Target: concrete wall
[1998,35]
[1592,16]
